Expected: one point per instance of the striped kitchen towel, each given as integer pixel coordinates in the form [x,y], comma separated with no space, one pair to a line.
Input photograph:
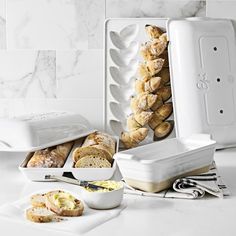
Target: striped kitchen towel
[190,187]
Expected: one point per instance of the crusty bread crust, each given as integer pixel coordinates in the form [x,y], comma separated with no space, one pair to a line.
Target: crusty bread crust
[97,150]
[97,143]
[52,157]
[33,214]
[78,211]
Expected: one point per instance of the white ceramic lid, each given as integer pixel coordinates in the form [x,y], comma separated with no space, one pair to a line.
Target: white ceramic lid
[202,55]
[37,131]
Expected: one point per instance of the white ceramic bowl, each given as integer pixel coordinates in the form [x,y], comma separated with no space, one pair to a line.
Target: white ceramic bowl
[103,200]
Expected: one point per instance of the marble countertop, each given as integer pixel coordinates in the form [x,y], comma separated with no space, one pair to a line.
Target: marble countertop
[143,215]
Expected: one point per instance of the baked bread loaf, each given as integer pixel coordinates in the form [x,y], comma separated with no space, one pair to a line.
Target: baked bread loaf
[161,114]
[165,75]
[133,138]
[98,144]
[153,49]
[163,129]
[52,157]
[153,31]
[150,68]
[92,161]
[38,200]
[132,124]
[40,215]
[142,102]
[143,117]
[64,204]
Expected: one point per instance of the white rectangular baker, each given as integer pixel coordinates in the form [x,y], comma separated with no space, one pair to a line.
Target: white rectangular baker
[202,54]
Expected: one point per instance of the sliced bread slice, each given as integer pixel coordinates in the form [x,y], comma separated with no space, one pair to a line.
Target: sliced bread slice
[40,215]
[64,204]
[98,150]
[38,200]
[93,161]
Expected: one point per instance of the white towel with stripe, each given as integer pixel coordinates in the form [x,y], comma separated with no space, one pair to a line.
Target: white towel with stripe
[190,187]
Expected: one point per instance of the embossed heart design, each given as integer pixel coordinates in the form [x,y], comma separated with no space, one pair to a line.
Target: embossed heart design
[119,111]
[124,56]
[123,39]
[121,94]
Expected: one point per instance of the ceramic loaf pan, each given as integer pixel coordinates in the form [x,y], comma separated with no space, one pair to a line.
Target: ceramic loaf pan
[123,38]
[37,131]
[155,166]
[203,77]
[88,174]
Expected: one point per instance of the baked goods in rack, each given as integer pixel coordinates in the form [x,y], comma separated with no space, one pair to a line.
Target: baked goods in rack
[153,49]
[163,129]
[143,117]
[165,75]
[161,114]
[47,207]
[132,124]
[98,144]
[150,105]
[150,68]
[142,102]
[52,157]
[40,215]
[150,86]
[64,204]
[133,138]
[92,161]
[153,31]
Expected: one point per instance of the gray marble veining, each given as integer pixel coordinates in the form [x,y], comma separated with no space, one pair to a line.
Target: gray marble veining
[155,8]
[2,24]
[27,74]
[55,24]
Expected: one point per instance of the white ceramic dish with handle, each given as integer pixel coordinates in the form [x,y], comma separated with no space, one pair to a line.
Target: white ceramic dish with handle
[155,166]
[37,131]
[88,174]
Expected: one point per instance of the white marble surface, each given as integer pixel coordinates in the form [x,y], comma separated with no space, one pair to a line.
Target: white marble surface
[27,74]
[143,215]
[2,24]
[55,24]
[80,74]
[158,8]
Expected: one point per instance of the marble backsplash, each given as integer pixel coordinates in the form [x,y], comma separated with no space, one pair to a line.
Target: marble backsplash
[51,51]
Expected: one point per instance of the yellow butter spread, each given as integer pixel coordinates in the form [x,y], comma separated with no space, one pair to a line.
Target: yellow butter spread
[109,184]
[64,200]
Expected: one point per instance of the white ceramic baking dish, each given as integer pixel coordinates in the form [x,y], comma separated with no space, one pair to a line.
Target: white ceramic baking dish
[88,174]
[155,166]
[37,131]
[202,55]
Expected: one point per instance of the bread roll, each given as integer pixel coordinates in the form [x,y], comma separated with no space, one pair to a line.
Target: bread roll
[132,124]
[133,138]
[153,31]
[98,144]
[143,117]
[52,157]
[163,130]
